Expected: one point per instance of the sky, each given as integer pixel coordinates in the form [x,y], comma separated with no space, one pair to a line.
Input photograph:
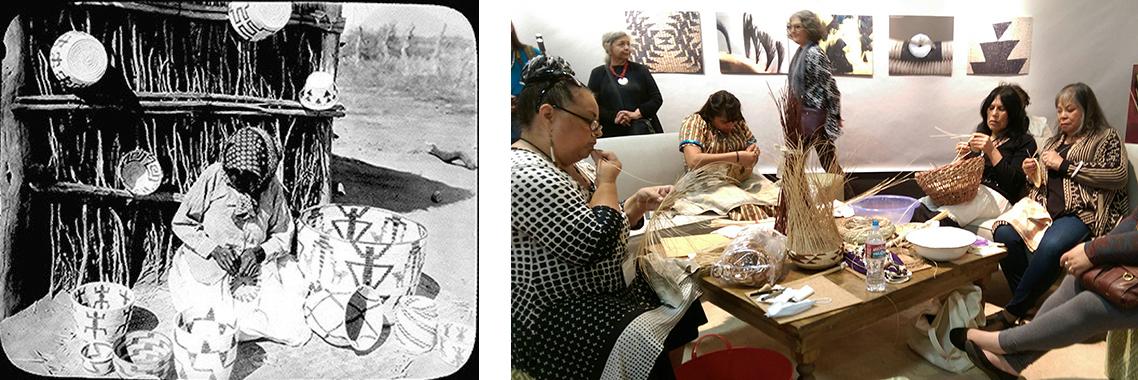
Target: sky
[428,19]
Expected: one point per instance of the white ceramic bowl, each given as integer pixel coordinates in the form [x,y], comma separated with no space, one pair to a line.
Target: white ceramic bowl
[941,243]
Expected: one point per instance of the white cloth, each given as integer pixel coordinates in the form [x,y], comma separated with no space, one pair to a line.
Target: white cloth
[636,349]
[212,215]
[755,190]
[276,313]
[987,204]
[961,308]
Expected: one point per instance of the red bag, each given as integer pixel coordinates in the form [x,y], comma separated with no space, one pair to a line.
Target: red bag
[743,363]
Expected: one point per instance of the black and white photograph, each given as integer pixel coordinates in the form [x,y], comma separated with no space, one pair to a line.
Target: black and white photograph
[239,190]
[753,43]
[1001,46]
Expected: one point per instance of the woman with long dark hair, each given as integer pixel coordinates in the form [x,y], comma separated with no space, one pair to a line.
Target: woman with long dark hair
[1003,139]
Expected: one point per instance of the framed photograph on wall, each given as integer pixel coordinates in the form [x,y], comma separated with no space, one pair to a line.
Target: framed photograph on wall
[666,42]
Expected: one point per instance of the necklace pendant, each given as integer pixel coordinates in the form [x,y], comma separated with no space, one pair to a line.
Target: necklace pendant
[622,80]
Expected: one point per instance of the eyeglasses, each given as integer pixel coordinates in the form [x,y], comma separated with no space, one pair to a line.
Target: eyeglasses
[794,26]
[594,126]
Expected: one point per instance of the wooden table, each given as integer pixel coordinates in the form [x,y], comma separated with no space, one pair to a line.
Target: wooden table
[806,337]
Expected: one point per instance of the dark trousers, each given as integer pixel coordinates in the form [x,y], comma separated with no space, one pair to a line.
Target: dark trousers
[1031,274]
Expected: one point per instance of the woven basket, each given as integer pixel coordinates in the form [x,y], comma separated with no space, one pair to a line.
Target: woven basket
[954,183]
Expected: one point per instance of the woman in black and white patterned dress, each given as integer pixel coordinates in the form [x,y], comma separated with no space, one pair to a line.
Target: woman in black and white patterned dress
[579,309]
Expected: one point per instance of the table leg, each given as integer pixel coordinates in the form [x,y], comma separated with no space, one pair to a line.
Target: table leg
[805,359]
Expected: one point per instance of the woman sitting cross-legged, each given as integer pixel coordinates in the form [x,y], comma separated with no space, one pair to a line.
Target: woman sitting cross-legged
[719,133]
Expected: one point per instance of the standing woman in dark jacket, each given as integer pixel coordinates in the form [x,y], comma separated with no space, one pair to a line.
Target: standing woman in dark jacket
[625,90]
[812,83]
[1004,141]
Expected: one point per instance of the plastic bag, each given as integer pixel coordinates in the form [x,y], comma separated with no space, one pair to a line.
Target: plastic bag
[756,257]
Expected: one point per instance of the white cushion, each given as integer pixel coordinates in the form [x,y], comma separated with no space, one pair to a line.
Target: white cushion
[646,160]
[1131,182]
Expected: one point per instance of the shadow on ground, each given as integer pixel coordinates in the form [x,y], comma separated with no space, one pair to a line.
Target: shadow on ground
[366,184]
[250,357]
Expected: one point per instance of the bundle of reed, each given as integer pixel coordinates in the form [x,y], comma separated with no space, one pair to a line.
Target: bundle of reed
[812,236]
[163,53]
[700,180]
[806,202]
[85,147]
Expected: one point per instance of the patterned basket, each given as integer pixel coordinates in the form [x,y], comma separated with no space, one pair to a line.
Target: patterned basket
[344,247]
[205,343]
[255,21]
[348,319]
[416,324]
[140,172]
[101,311]
[96,357]
[143,354]
[816,260]
[78,59]
[954,183]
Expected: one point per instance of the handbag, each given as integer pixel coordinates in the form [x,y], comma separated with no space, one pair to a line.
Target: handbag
[1117,283]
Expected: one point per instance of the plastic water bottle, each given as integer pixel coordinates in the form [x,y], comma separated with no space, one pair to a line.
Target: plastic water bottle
[875,260]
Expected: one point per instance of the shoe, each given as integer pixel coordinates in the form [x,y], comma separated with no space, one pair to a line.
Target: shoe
[958,337]
[976,355]
[997,322]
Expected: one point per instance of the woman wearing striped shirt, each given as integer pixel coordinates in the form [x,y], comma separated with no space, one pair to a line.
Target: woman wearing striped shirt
[718,133]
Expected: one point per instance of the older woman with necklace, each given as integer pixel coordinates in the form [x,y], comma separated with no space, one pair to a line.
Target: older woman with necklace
[625,90]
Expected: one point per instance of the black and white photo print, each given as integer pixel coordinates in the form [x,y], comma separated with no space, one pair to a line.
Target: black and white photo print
[235,190]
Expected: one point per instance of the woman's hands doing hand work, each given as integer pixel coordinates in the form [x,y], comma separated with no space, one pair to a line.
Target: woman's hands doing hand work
[608,166]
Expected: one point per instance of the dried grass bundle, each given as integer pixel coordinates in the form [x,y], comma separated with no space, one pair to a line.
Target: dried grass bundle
[702,179]
[806,205]
[811,233]
[663,277]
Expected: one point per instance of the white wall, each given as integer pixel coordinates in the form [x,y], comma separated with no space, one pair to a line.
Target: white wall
[889,119]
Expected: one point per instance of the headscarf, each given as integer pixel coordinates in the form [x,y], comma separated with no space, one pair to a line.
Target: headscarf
[253,150]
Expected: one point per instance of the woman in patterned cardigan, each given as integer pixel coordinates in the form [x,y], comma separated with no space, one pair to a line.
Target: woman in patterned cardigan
[579,310]
[812,83]
[1083,190]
